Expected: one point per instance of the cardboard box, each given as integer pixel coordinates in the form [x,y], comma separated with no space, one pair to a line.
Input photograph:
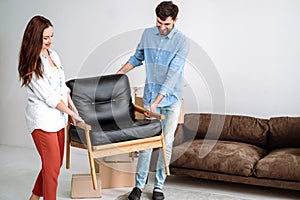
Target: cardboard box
[82,186]
[117,171]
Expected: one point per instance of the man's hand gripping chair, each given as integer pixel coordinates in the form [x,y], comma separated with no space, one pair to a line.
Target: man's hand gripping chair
[110,127]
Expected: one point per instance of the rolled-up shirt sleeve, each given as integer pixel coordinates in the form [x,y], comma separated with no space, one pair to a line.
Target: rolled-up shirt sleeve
[44,92]
[138,57]
[65,88]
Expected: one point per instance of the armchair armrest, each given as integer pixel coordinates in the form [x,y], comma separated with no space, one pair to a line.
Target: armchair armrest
[152,114]
[84,126]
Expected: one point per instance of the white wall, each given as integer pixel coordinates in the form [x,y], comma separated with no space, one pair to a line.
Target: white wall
[245,58]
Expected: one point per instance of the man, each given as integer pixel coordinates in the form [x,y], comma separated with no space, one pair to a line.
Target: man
[164,49]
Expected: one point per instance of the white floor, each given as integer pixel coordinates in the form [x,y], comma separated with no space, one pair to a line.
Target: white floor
[19,168]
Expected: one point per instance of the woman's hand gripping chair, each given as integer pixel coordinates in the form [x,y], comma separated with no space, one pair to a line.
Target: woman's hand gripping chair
[110,127]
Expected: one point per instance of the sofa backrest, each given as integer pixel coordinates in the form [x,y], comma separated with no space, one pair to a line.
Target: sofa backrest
[284,132]
[227,127]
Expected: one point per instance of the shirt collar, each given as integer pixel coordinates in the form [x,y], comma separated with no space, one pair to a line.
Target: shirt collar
[170,35]
[50,52]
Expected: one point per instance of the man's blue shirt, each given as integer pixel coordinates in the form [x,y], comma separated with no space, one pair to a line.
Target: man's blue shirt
[164,58]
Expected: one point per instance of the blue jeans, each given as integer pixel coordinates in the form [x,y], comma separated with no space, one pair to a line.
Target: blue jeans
[169,125]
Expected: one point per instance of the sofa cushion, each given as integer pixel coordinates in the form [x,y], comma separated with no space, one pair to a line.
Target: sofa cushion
[280,164]
[217,156]
[227,127]
[284,132]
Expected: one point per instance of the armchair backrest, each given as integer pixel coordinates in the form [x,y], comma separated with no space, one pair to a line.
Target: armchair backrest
[103,101]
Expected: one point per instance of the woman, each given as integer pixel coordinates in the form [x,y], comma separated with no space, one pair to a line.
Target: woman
[48,105]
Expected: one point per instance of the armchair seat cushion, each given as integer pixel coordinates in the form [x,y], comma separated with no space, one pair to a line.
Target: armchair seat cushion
[112,133]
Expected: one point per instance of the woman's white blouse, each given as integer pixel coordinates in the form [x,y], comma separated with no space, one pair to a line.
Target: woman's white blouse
[43,96]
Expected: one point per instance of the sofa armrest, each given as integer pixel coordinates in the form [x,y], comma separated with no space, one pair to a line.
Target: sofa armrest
[183,134]
[179,135]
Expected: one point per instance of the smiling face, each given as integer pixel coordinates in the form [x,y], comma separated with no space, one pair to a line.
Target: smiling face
[166,26]
[47,38]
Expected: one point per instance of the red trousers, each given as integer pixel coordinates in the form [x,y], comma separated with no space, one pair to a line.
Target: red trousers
[50,146]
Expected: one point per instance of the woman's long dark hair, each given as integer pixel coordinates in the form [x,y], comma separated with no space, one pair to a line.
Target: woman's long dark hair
[32,43]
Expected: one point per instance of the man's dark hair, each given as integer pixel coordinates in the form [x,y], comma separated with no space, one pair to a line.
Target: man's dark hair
[166,9]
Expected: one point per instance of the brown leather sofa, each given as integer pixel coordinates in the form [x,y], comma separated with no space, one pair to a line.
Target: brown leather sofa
[240,149]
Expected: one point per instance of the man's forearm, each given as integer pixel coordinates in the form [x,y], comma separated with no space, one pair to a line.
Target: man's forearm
[155,103]
[158,98]
[125,68]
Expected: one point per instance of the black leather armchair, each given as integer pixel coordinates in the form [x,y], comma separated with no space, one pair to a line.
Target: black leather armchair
[110,126]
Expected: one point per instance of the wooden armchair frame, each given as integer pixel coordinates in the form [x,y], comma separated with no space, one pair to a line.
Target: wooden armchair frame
[95,152]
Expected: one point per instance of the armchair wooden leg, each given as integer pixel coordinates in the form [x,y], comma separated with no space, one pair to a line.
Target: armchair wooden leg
[164,154]
[68,147]
[68,157]
[93,171]
[91,159]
